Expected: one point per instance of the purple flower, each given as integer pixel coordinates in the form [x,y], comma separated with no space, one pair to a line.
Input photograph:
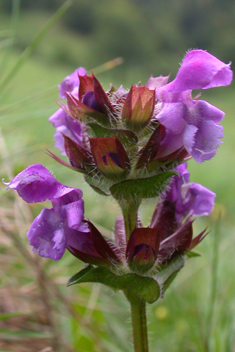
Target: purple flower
[56,228]
[64,123]
[194,127]
[70,82]
[188,198]
[193,123]
[199,69]
[68,126]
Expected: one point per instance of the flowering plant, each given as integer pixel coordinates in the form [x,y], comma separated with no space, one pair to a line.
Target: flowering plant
[130,145]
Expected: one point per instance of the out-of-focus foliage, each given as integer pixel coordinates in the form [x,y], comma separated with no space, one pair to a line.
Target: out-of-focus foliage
[145,32]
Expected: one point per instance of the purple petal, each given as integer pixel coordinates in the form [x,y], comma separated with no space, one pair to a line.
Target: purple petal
[201,110]
[170,144]
[200,69]
[202,135]
[90,101]
[156,82]
[201,199]
[58,118]
[70,82]
[47,234]
[189,198]
[173,193]
[206,141]
[74,213]
[68,126]
[189,137]
[37,184]
[183,172]
[164,94]
[81,246]
[172,117]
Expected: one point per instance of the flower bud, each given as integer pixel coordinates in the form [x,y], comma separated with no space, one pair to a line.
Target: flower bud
[110,157]
[142,249]
[138,107]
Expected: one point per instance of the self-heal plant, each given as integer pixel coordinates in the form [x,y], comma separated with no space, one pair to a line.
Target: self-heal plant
[130,145]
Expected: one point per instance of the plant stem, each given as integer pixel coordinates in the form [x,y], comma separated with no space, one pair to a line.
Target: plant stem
[139,323]
[130,213]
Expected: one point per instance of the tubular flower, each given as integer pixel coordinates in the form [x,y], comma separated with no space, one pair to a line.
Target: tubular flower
[62,226]
[53,229]
[185,198]
[189,122]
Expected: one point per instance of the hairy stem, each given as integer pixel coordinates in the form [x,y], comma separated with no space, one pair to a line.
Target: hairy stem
[139,323]
[130,215]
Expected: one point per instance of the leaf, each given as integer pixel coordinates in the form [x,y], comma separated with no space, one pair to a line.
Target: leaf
[192,255]
[166,276]
[75,278]
[141,188]
[99,187]
[143,287]
[127,138]
[168,282]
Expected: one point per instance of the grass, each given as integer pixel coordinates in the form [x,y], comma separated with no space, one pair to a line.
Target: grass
[91,318]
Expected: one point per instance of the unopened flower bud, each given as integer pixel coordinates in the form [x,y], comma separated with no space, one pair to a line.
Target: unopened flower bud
[142,249]
[110,157]
[138,107]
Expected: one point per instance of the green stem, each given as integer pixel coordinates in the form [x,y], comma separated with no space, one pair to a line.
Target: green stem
[139,323]
[130,214]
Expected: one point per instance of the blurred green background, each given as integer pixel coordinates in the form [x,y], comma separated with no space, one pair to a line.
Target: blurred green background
[152,38]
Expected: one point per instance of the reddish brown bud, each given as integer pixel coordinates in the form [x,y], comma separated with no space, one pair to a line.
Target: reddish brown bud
[150,150]
[101,97]
[86,85]
[78,156]
[176,244]
[142,249]
[80,111]
[138,107]
[110,157]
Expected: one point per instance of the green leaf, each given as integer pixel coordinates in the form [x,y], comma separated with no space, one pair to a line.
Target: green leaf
[168,282]
[166,276]
[75,278]
[127,138]
[141,188]
[141,286]
[98,186]
[193,255]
